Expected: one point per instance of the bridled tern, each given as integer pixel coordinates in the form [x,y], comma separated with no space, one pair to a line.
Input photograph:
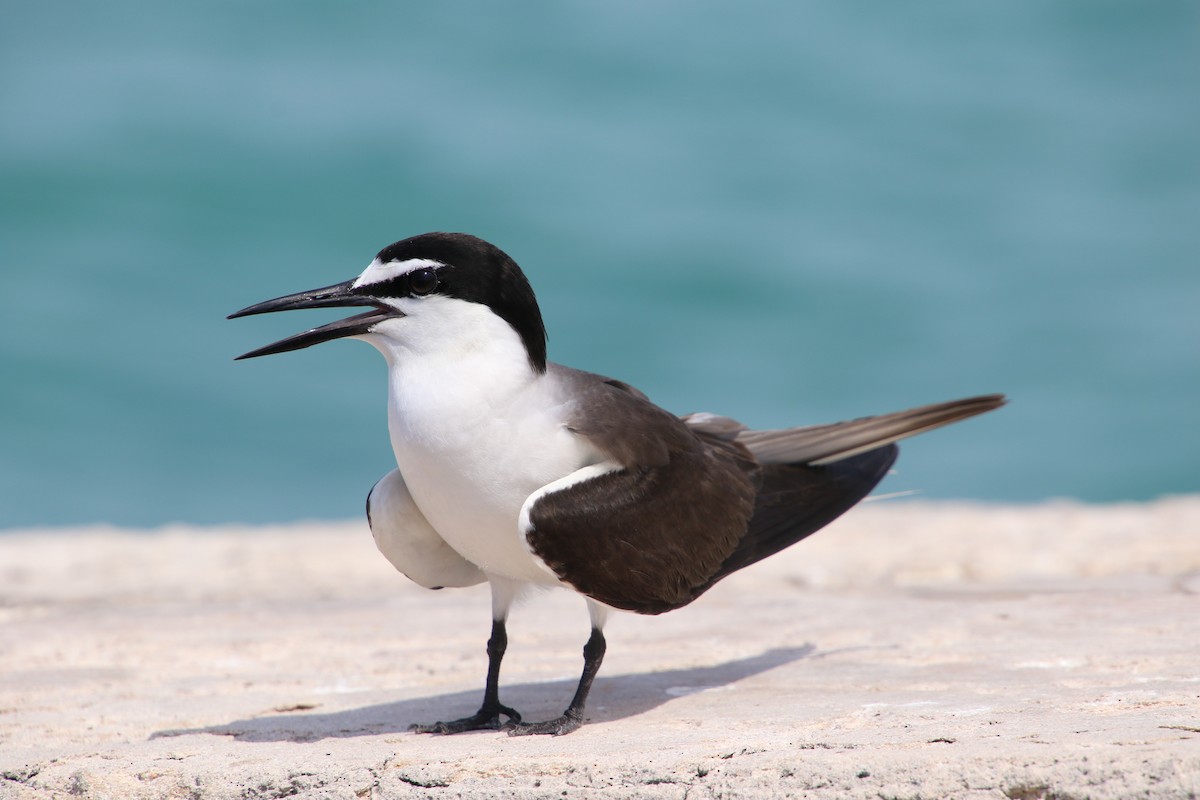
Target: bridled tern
[520,472]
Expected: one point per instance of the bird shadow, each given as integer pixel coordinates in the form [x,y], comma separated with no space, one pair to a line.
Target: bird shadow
[612,698]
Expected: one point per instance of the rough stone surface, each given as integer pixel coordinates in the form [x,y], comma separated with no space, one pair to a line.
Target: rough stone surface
[913,650]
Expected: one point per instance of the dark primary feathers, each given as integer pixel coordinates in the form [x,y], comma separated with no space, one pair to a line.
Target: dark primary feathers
[739,495]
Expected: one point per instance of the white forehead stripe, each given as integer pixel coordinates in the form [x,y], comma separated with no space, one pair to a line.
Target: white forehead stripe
[378,272]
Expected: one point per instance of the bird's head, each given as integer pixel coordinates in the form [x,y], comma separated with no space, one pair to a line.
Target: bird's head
[437,292]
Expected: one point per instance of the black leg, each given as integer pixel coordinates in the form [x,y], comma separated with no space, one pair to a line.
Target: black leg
[488,715]
[572,718]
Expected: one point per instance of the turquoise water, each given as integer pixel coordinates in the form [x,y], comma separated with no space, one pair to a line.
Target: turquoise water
[786,212]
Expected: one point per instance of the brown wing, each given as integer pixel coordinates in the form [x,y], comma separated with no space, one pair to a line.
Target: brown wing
[697,499]
[648,536]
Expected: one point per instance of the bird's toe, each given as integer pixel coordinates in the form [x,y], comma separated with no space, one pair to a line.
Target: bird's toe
[485,719]
[554,727]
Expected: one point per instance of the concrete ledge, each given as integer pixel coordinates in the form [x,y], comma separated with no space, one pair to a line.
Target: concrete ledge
[911,650]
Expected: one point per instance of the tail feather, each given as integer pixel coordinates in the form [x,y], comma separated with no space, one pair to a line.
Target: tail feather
[819,445]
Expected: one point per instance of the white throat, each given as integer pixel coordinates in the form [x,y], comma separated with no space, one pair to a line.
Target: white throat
[444,335]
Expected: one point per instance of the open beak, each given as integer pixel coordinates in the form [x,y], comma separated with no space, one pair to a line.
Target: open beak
[336,296]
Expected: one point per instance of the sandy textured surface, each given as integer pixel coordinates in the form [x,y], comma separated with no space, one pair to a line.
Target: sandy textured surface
[911,650]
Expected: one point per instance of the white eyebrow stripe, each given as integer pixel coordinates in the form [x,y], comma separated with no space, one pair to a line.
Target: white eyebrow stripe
[378,272]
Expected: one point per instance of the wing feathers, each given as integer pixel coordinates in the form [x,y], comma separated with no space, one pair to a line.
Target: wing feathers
[684,502]
[797,500]
[644,539]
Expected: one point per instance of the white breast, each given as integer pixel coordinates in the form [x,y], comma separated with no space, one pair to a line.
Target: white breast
[475,431]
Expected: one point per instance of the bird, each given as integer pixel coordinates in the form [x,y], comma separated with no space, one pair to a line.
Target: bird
[522,473]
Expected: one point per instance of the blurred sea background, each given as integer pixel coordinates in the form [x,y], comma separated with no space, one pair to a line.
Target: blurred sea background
[790,213]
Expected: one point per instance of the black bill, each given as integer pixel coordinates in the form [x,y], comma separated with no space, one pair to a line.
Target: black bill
[337,296]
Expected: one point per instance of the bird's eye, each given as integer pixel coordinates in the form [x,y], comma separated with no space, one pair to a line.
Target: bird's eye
[422,281]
